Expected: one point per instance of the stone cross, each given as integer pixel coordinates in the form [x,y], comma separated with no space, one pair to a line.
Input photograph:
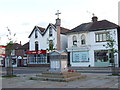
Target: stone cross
[57,13]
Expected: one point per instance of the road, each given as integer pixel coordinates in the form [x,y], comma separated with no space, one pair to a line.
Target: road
[26,70]
[36,70]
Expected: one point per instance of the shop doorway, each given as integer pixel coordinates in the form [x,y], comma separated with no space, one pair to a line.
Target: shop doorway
[19,62]
[69,59]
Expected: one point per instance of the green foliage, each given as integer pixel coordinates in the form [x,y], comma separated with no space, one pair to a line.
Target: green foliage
[32,78]
[51,45]
[9,46]
[7,76]
[110,44]
[11,41]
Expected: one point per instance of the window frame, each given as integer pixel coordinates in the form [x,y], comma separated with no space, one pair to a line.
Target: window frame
[102,36]
[50,32]
[83,40]
[36,34]
[101,55]
[74,38]
[36,46]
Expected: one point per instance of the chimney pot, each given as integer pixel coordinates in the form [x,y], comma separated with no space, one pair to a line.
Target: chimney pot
[94,18]
[20,42]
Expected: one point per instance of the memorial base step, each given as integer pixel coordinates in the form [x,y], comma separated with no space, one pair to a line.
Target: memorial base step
[62,77]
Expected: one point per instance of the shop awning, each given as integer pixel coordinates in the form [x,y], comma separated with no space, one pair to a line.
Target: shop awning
[2,50]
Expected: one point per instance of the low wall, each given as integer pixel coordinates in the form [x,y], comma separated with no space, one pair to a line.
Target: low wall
[38,65]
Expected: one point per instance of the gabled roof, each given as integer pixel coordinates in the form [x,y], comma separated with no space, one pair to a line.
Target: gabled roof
[25,46]
[94,26]
[38,28]
[43,30]
[62,29]
[58,52]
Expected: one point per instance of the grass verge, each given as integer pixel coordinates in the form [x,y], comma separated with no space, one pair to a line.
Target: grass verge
[9,76]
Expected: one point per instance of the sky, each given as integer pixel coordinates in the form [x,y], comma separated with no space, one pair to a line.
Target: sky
[20,16]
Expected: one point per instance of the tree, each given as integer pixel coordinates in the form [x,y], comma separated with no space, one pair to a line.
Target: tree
[9,50]
[111,43]
[51,45]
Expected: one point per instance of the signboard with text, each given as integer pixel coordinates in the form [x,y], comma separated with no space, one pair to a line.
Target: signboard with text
[2,50]
[80,57]
[36,52]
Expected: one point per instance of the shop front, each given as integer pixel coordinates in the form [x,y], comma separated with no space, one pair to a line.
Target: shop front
[37,58]
[80,58]
[102,58]
[24,61]
[14,61]
[2,55]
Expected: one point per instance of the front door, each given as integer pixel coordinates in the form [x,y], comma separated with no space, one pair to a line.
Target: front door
[68,59]
[19,62]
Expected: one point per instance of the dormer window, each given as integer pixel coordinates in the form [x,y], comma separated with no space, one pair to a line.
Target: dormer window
[82,39]
[74,40]
[50,31]
[36,34]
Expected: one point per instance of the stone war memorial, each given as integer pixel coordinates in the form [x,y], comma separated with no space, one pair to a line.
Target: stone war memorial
[58,62]
[58,69]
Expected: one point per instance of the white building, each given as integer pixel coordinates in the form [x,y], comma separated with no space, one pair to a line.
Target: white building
[85,43]
[42,41]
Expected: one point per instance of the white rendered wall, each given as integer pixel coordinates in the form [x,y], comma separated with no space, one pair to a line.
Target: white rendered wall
[63,42]
[43,40]
[91,44]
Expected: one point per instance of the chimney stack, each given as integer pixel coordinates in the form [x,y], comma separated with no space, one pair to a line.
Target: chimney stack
[94,18]
[20,42]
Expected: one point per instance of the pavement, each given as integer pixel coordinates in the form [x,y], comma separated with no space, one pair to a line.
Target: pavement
[93,80]
[30,70]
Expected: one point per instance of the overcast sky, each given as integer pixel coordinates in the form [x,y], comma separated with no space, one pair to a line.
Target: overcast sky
[20,16]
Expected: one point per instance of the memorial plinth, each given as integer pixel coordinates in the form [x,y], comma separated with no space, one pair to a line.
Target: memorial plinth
[58,61]
[58,69]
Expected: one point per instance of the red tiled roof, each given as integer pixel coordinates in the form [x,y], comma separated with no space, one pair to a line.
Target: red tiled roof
[41,29]
[25,46]
[63,30]
[15,46]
